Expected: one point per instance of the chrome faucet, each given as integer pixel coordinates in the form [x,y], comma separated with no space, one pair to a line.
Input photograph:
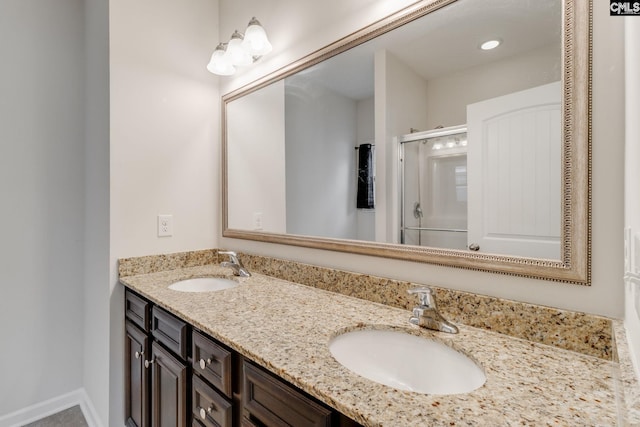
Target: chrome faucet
[235,264]
[427,315]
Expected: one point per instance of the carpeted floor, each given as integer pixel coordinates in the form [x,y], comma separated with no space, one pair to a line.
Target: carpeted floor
[71,417]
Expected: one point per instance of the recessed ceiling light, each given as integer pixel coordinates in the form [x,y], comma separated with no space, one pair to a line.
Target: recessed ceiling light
[490,44]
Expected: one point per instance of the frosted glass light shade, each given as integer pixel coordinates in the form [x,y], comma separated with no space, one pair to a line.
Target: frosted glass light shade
[236,53]
[255,39]
[219,63]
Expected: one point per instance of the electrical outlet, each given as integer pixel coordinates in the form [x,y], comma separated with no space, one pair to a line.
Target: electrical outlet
[257,220]
[165,225]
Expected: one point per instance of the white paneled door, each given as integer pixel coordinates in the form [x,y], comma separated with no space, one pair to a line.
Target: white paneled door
[514,173]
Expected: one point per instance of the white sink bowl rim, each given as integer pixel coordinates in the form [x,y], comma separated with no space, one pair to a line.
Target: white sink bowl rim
[203,284]
[407,362]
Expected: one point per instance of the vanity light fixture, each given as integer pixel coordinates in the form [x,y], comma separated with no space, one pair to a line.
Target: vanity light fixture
[235,51]
[219,63]
[241,50]
[490,44]
[255,39]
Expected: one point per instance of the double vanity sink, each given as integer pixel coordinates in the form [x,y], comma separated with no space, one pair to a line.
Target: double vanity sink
[393,358]
[368,362]
[396,359]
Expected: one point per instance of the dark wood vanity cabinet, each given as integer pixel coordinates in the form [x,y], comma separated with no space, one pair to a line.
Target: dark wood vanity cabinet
[193,380]
[156,370]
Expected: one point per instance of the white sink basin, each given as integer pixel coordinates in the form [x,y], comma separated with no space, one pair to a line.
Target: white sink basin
[203,284]
[407,362]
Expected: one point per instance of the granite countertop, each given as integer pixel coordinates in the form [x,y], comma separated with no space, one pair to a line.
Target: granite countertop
[286,328]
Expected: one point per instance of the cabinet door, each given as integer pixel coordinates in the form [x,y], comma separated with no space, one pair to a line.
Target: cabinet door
[136,377]
[168,389]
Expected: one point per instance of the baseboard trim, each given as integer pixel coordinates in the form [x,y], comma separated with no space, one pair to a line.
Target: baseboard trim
[52,406]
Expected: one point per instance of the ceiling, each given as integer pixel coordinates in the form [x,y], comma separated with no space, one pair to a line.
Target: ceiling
[447,41]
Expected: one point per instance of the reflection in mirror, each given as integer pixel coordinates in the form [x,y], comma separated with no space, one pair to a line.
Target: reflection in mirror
[433,188]
[467,144]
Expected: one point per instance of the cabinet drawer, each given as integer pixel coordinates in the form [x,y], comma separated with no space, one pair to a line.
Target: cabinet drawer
[137,310]
[271,402]
[210,408]
[212,362]
[170,331]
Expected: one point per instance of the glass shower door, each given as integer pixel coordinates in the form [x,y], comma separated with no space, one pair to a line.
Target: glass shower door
[434,188]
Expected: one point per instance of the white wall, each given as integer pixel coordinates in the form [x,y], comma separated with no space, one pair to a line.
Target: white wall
[165,141]
[42,182]
[605,296]
[632,178]
[96,169]
[366,120]
[256,172]
[366,218]
[320,140]
[164,135]
[401,104]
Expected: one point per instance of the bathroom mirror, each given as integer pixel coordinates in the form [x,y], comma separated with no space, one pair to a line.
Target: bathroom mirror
[398,137]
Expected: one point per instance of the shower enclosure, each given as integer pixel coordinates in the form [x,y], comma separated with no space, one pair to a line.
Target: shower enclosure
[433,188]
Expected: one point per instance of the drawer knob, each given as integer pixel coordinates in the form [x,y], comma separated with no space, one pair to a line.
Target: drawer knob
[148,363]
[137,354]
[204,412]
[204,363]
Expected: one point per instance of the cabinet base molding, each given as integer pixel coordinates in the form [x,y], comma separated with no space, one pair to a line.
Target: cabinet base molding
[53,406]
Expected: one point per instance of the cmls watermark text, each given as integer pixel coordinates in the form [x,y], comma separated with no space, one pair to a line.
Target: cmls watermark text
[622,8]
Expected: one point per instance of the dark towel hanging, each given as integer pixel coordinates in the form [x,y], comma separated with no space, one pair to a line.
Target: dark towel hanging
[365,196]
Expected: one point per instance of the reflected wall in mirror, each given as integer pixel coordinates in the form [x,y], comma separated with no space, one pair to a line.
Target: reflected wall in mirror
[407,140]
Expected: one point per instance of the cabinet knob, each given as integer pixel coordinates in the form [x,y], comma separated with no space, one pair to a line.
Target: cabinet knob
[204,412]
[148,363]
[204,363]
[474,247]
[137,354]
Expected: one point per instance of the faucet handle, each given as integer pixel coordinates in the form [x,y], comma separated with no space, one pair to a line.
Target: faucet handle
[232,256]
[425,296]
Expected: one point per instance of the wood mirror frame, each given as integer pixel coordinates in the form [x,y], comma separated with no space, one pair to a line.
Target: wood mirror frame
[575,263]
